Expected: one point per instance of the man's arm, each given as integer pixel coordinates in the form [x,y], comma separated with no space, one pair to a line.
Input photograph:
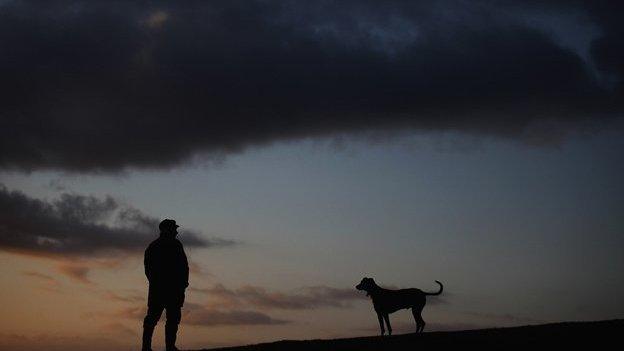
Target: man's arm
[186,270]
[185,267]
[147,262]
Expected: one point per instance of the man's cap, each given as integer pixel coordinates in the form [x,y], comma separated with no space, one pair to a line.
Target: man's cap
[167,224]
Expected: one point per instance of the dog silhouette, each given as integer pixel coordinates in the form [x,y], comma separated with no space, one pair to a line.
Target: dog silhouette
[386,301]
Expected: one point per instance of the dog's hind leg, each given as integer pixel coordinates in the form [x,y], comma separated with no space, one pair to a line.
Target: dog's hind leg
[422,325]
[381,324]
[387,318]
[417,313]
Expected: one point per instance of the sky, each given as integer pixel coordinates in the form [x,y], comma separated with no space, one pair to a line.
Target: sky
[302,146]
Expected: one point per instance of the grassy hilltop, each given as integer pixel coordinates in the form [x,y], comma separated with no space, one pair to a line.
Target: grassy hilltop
[559,336]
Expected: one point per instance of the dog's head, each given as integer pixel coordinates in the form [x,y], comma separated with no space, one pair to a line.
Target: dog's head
[367,284]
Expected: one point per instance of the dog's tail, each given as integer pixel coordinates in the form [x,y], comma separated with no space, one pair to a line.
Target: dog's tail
[439,291]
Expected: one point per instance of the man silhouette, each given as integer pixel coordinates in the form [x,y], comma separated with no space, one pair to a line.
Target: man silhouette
[166,268]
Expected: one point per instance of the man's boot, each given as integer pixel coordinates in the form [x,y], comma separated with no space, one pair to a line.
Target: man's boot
[148,330]
[171,331]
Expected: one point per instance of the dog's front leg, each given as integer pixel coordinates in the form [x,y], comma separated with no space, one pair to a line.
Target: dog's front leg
[387,318]
[381,323]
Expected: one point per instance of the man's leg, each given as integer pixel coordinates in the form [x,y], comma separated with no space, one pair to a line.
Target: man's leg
[149,323]
[174,314]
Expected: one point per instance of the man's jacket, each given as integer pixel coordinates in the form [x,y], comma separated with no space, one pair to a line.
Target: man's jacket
[166,265]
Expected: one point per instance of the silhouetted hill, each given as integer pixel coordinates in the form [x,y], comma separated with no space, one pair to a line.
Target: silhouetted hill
[559,336]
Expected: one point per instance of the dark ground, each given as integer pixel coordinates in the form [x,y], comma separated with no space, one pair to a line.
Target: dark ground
[558,336]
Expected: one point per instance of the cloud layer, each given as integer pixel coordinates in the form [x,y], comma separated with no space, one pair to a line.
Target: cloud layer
[247,305]
[94,86]
[204,316]
[303,298]
[78,226]
[201,315]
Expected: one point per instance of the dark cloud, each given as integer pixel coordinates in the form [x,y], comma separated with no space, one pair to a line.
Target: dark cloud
[197,314]
[92,86]
[120,328]
[76,272]
[608,50]
[201,315]
[303,298]
[134,312]
[49,283]
[40,276]
[197,270]
[450,326]
[408,327]
[504,318]
[56,185]
[131,297]
[78,226]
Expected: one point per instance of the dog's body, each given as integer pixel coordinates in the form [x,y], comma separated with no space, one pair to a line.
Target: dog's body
[386,301]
